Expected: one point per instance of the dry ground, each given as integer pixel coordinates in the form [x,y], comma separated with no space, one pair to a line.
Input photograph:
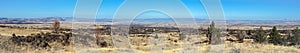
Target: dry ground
[158,42]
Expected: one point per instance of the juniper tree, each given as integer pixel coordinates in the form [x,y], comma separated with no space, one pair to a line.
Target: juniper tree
[275,37]
[296,37]
[213,34]
[260,36]
[241,36]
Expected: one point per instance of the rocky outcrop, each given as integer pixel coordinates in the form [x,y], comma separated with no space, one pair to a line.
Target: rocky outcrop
[42,39]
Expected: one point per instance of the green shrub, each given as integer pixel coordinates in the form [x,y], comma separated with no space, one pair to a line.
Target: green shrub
[260,36]
[213,34]
[275,37]
[296,38]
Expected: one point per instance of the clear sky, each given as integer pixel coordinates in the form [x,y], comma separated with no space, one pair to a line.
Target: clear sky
[233,9]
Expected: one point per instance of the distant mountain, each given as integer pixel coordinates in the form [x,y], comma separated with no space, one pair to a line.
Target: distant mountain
[29,20]
[139,20]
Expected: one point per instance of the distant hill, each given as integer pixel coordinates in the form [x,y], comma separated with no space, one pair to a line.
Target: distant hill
[28,20]
[139,20]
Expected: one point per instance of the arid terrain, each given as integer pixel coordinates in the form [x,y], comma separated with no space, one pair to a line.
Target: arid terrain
[151,38]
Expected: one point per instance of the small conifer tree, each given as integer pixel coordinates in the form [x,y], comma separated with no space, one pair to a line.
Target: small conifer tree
[275,37]
[213,34]
[260,36]
[296,37]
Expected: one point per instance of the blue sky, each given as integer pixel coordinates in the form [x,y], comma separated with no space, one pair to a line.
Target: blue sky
[233,9]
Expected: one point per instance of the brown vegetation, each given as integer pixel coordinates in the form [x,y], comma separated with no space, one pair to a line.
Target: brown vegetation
[56,25]
[98,36]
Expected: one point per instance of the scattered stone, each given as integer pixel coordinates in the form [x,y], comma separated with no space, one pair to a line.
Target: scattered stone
[103,44]
[42,40]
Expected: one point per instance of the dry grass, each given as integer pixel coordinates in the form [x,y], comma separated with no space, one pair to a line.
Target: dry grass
[152,44]
[144,44]
[23,32]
